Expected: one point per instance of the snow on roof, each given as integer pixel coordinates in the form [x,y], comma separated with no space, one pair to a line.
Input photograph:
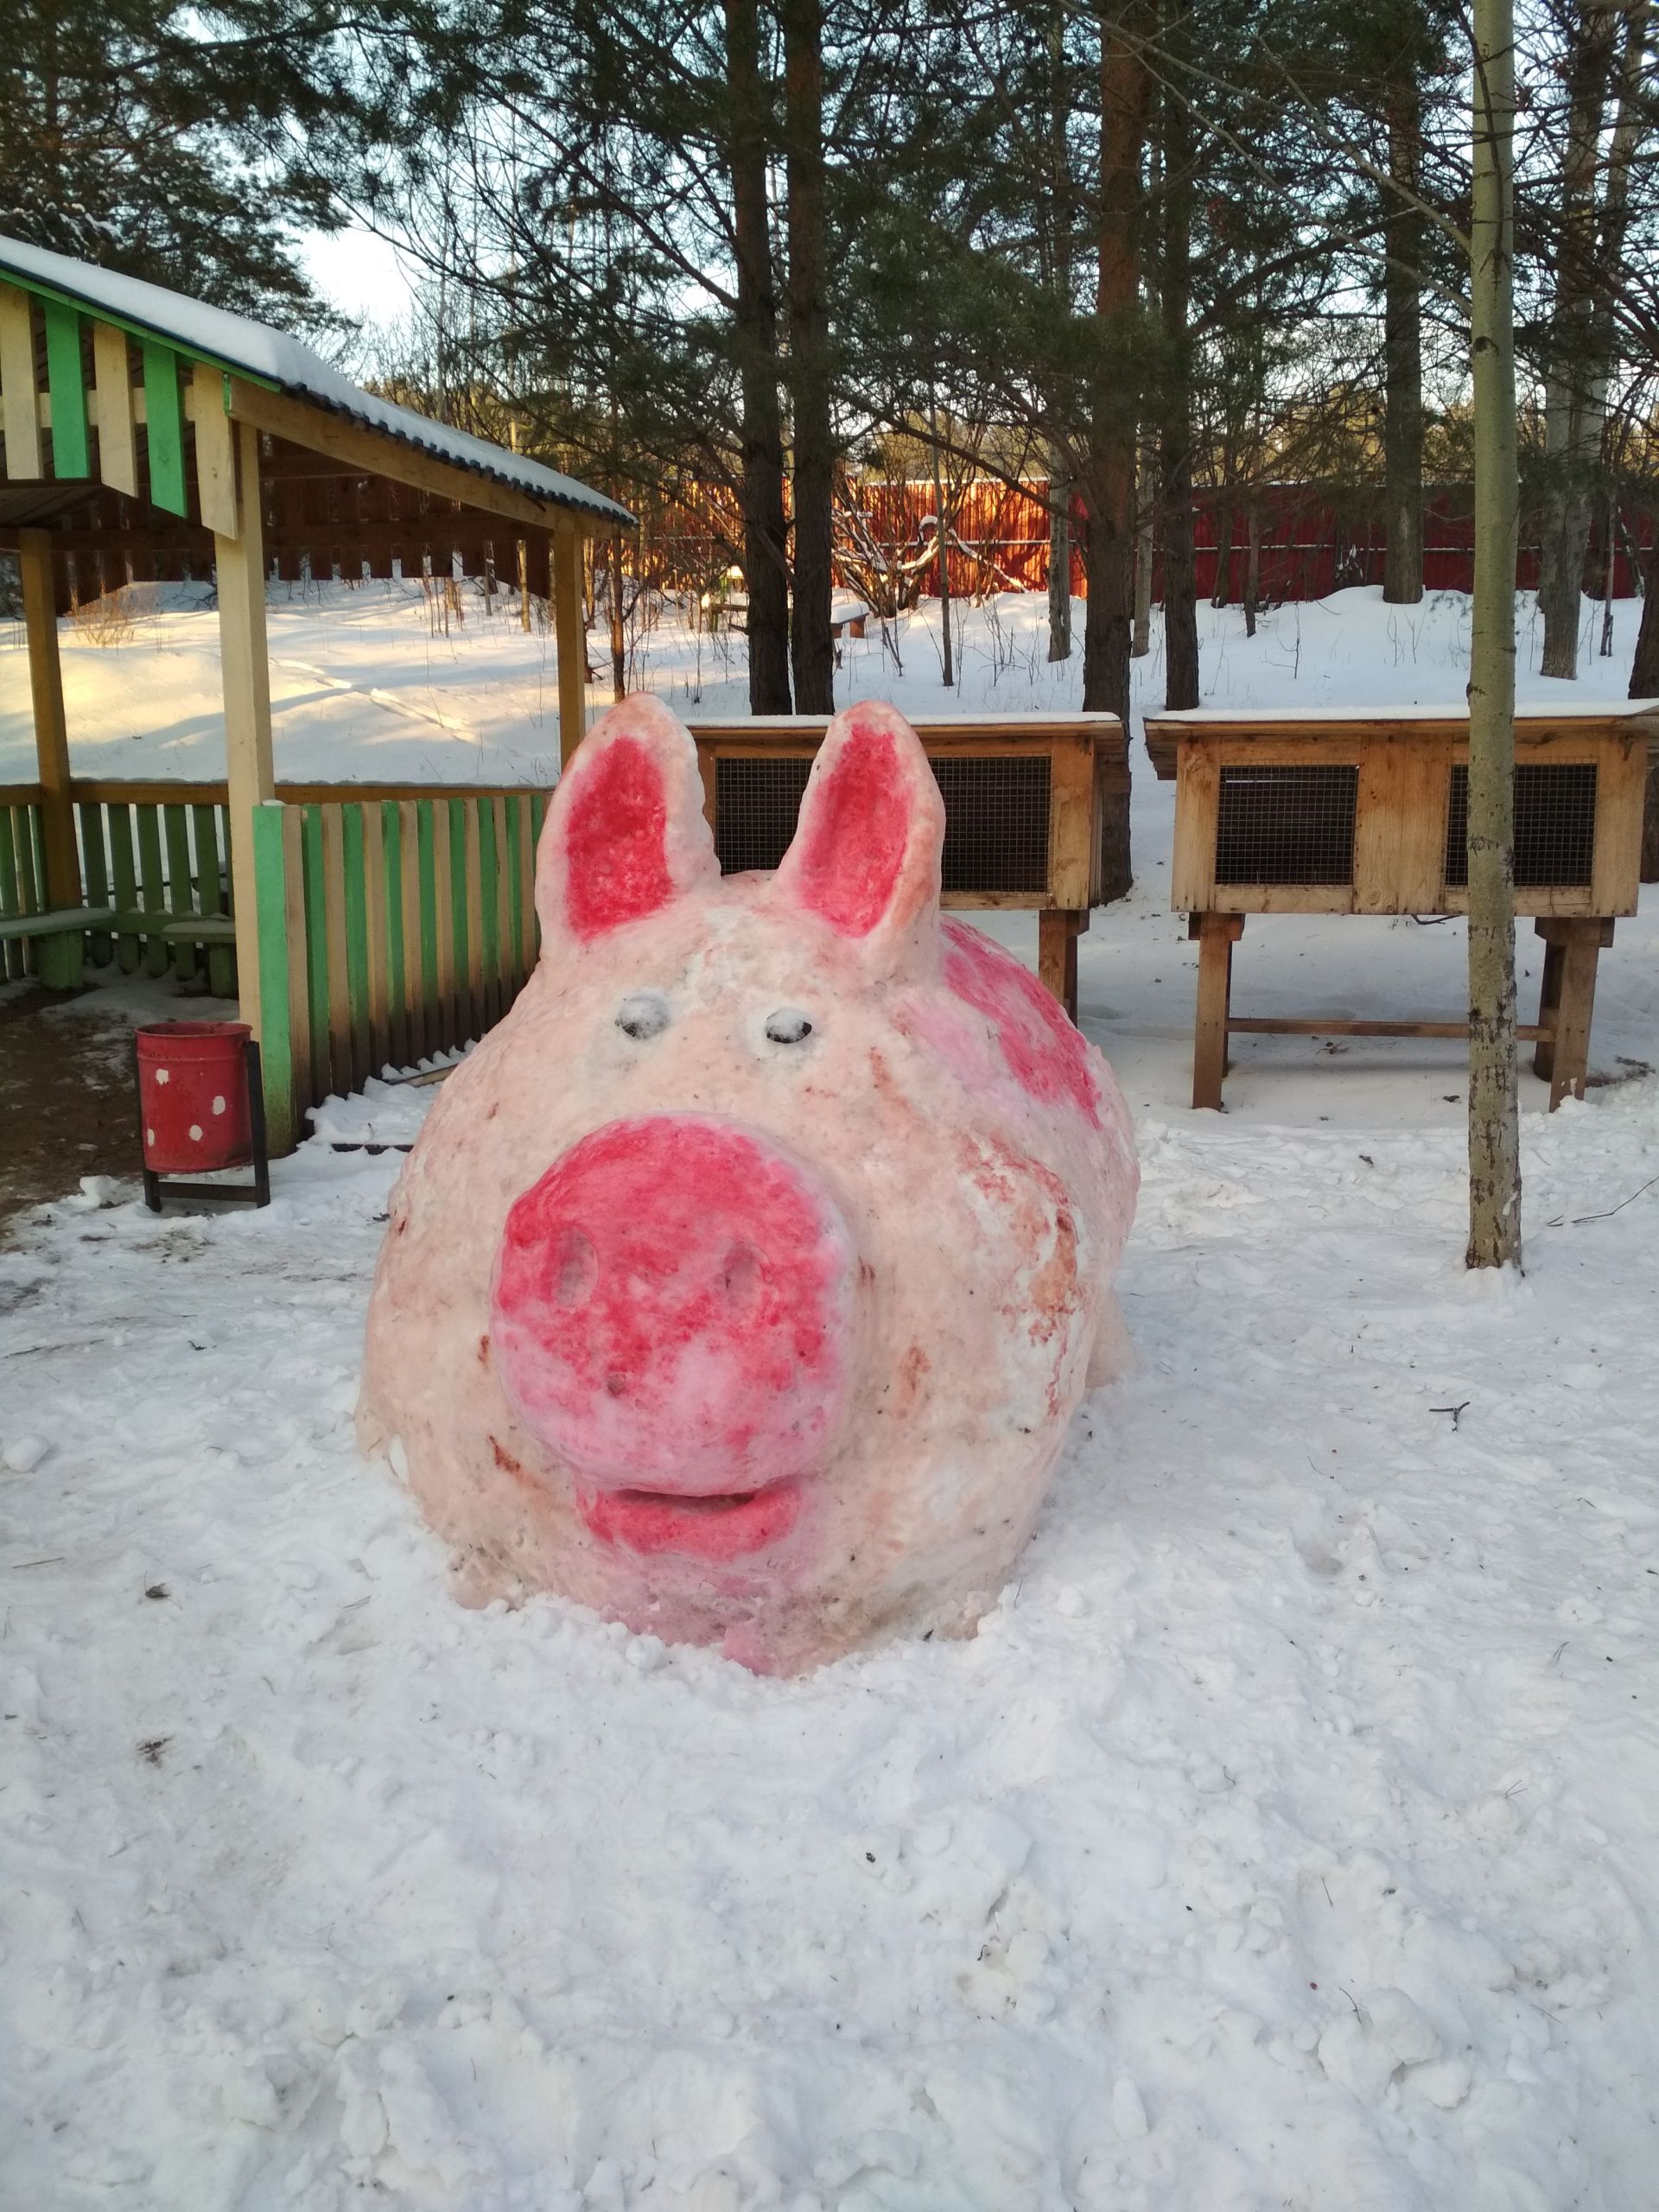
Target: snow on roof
[1457,711]
[233,341]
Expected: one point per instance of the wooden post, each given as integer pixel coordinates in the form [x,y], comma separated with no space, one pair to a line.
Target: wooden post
[1056,952]
[239,566]
[1549,1006]
[51,736]
[569,643]
[1579,941]
[282,970]
[1217,934]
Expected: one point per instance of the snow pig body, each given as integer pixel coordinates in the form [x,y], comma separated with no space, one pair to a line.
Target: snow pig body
[745,1278]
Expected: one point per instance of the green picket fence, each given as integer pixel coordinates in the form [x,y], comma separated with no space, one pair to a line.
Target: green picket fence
[392,927]
[22,870]
[158,854]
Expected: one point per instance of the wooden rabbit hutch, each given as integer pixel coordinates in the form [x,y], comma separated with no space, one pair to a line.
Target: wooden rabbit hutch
[1026,798]
[1325,814]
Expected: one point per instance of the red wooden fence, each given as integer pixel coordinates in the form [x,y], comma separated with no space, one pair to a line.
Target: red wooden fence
[1313,543]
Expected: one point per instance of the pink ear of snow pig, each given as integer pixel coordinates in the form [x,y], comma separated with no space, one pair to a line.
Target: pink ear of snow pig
[865,856]
[626,833]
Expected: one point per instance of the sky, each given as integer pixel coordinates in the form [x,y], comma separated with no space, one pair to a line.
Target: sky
[359,274]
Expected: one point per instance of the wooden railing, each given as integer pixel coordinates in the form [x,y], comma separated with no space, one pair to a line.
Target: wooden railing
[159,853]
[22,869]
[399,921]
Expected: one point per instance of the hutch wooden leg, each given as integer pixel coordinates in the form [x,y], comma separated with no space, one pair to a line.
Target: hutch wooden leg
[1217,935]
[1051,951]
[1580,942]
[1549,1009]
[1058,929]
[1077,922]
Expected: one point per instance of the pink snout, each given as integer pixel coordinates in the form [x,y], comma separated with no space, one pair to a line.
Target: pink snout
[673,1317]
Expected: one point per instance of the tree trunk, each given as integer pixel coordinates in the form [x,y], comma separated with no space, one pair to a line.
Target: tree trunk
[941,552]
[1059,559]
[1402,349]
[1644,684]
[1494,1132]
[811,645]
[1572,423]
[1223,594]
[618,642]
[765,561]
[1060,467]
[1175,440]
[1146,504]
[1106,481]
[1252,565]
[1644,675]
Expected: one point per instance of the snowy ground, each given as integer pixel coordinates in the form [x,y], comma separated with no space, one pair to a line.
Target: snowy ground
[1284,1840]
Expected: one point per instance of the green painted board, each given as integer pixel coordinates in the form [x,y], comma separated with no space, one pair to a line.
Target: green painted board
[10,819]
[95,875]
[317,948]
[427,864]
[516,811]
[210,891]
[29,873]
[276,1037]
[489,913]
[466,1020]
[152,887]
[71,453]
[391,828]
[180,897]
[127,951]
[164,427]
[357,940]
[12,955]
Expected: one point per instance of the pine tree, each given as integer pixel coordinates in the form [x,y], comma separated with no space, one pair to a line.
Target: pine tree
[185,145]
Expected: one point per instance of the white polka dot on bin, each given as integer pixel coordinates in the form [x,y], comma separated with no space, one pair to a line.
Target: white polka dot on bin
[195,1132]
[161,1075]
[218,1105]
[149,1136]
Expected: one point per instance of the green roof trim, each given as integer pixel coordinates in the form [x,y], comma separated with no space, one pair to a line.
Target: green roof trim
[141,333]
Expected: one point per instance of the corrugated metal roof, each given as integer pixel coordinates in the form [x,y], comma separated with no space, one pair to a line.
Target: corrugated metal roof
[272,357]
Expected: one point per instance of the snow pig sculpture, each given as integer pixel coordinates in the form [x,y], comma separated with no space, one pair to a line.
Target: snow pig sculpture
[745,1278]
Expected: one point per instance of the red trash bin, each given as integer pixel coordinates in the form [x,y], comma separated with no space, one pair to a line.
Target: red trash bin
[198,1111]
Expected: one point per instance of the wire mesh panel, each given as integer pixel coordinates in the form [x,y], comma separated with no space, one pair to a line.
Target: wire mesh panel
[1286,824]
[996,820]
[996,812]
[756,803]
[1554,824]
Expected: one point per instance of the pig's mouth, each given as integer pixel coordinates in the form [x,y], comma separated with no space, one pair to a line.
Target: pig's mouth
[728,1525]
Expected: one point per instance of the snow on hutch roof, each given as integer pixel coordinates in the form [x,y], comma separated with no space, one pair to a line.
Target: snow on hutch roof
[272,357]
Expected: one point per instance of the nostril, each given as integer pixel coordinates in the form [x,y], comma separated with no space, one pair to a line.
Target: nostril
[575,1269]
[789,1025]
[739,1275]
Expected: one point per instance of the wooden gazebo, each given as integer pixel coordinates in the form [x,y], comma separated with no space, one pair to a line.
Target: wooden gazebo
[147,436]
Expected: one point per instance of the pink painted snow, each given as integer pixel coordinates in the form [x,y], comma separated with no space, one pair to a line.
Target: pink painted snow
[1284,1833]
[714,1295]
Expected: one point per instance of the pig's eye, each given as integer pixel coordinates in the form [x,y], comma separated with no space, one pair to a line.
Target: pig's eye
[789,1025]
[643,1014]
